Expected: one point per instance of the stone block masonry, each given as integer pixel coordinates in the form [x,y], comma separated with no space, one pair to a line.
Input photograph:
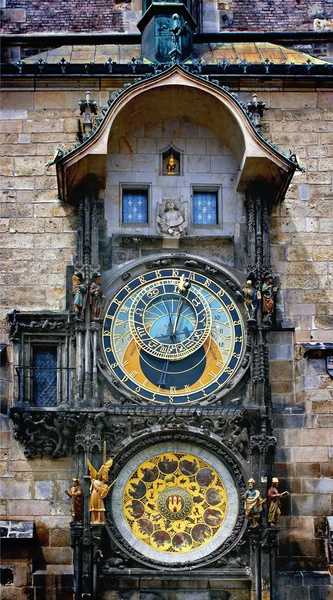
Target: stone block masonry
[225,15]
[27,16]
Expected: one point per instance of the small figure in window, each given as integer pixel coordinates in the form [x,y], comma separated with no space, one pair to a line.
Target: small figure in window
[171,164]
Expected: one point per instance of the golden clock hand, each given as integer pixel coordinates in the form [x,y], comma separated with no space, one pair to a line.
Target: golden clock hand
[183,286]
[179,308]
[164,371]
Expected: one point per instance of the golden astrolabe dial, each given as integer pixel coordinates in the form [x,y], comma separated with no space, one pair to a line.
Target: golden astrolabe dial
[173,336]
[175,502]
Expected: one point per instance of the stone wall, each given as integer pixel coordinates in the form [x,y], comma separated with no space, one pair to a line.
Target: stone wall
[122,16]
[25,16]
[302,238]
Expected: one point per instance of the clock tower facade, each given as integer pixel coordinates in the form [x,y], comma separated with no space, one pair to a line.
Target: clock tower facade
[171,299]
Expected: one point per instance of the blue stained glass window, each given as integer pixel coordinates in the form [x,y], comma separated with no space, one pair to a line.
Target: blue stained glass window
[135,206]
[205,208]
[45,376]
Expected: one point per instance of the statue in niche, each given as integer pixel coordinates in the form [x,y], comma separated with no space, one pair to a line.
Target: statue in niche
[79,294]
[253,504]
[99,489]
[171,164]
[178,30]
[172,217]
[76,495]
[268,296]
[96,297]
[251,297]
[274,502]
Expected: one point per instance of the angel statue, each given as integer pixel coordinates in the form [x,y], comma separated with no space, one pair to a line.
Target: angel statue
[172,217]
[99,489]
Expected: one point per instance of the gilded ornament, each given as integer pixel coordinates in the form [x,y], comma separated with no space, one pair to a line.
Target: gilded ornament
[99,489]
[175,502]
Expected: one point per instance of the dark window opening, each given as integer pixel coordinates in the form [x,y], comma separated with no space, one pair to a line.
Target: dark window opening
[44,379]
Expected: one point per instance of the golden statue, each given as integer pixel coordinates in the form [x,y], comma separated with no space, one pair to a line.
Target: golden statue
[99,489]
[171,164]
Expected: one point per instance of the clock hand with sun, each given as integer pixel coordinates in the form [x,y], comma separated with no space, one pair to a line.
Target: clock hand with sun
[183,286]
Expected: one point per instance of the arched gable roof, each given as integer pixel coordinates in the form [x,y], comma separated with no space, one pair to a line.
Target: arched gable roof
[173,94]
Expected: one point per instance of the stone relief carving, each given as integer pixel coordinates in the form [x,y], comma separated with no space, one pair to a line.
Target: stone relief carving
[172,217]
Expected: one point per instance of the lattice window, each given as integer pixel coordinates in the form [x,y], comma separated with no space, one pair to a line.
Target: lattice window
[205,208]
[44,377]
[135,206]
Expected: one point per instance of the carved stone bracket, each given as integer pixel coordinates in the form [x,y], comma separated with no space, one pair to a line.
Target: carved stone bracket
[45,433]
[57,433]
[262,443]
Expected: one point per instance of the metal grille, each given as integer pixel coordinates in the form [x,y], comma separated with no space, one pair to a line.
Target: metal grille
[45,376]
[135,206]
[205,208]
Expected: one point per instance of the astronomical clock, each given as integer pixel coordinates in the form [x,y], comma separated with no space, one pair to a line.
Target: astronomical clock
[173,339]
[173,336]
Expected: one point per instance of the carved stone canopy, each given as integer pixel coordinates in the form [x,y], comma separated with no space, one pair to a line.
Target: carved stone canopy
[177,94]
